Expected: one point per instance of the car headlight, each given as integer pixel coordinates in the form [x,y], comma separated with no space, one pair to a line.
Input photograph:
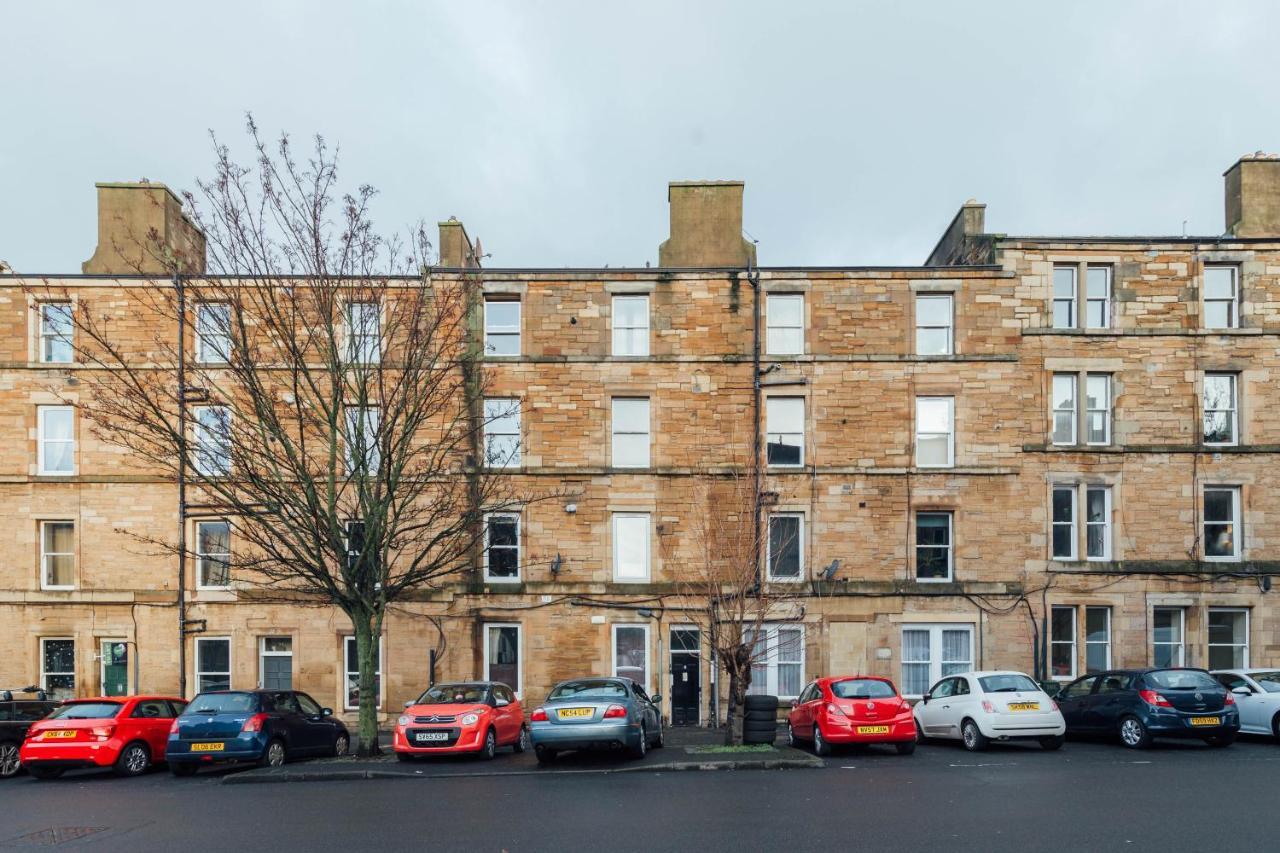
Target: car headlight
[404,721]
[470,719]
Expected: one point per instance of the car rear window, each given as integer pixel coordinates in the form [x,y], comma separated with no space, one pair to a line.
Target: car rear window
[863,688]
[1181,679]
[85,711]
[453,694]
[222,703]
[1009,683]
[589,690]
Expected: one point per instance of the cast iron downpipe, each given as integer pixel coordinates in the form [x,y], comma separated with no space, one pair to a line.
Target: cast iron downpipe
[182,486]
[753,278]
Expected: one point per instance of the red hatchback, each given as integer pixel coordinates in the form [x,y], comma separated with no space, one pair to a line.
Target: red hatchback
[476,717]
[852,709]
[126,733]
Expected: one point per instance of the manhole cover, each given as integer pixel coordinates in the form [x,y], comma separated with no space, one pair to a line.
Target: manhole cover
[56,835]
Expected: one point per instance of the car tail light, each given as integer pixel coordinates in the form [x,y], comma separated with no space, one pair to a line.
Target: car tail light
[614,711]
[539,715]
[254,723]
[905,707]
[1231,700]
[988,707]
[173,729]
[103,732]
[833,708]
[1053,704]
[1154,699]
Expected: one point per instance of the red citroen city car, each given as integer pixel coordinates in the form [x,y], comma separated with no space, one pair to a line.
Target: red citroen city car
[474,717]
[126,733]
[851,709]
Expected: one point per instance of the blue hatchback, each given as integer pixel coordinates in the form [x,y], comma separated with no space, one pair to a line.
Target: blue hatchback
[1141,704]
[266,727]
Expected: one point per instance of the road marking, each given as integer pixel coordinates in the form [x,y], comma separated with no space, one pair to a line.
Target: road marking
[991,764]
[848,767]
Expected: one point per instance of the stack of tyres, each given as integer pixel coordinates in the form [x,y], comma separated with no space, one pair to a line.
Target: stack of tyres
[760,719]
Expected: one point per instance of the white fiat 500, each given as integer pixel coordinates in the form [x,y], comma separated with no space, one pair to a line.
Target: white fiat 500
[980,707]
[1257,695]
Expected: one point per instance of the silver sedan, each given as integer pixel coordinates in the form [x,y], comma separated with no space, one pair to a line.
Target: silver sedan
[596,713]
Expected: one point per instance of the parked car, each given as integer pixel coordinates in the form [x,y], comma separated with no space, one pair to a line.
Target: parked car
[979,707]
[16,717]
[1141,704]
[596,713]
[263,726]
[474,717]
[1257,695]
[125,733]
[851,709]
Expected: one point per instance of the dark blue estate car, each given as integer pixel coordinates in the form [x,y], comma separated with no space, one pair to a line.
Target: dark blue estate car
[1141,704]
[263,726]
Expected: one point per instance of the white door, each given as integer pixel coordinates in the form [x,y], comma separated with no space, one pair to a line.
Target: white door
[935,714]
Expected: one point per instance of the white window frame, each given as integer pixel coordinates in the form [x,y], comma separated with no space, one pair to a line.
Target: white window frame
[518,547]
[768,559]
[1233,303]
[772,433]
[45,555]
[617,556]
[935,661]
[1237,525]
[1074,489]
[774,344]
[1181,645]
[1233,410]
[202,435]
[201,673]
[202,555]
[485,675]
[42,457]
[1106,644]
[206,351]
[495,330]
[45,673]
[772,660]
[616,429]
[364,346]
[42,335]
[648,651]
[1054,300]
[1105,409]
[951,545]
[949,328]
[1056,380]
[619,340]
[1108,272]
[496,409]
[348,671]
[368,419]
[1105,524]
[1210,646]
[950,433]
[263,654]
[1053,641]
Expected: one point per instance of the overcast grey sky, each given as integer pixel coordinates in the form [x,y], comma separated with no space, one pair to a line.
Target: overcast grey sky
[551,129]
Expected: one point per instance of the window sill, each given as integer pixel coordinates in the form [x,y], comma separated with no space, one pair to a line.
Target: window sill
[505,581]
[935,580]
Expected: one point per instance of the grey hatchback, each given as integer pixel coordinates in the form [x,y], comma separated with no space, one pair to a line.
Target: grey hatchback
[596,713]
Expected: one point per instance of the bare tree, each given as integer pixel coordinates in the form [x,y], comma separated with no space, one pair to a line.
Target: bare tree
[330,403]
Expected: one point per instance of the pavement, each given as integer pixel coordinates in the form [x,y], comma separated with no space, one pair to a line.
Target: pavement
[1090,795]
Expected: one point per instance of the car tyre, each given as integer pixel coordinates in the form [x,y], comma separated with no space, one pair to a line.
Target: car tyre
[544,755]
[921,737]
[641,749]
[792,740]
[490,748]
[183,770]
[273,755]
[10,764]
[974,739]
[46,772]
[1052,742]
[1219,741]
[1275,726]
[661,740]
[341,745]
[820,745]
[905,747]
[522,742]
[1134,734]
[134,760]
[758,702]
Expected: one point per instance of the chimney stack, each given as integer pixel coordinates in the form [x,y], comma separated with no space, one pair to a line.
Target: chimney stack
[456,249]
[706,226]
[1253,196]
[142,230]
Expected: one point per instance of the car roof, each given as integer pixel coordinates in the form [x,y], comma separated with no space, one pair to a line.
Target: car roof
[831,679]
[140,696]
[983,673]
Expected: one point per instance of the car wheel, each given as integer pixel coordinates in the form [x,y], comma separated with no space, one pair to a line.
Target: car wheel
[341,744]
[974,739]
[792,741]
[46,772]
[1275,726]
[921,737]
[183,769]
[1221,740]
[544,755]
[133,760]
[1134,734]
[905,747]
[522,742]
[1053,742]
[9,762]
[820,745]
[490,748]
[273,755]
[642,747]
[661,739]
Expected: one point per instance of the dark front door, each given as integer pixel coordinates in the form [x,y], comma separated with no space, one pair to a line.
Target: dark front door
[686,676]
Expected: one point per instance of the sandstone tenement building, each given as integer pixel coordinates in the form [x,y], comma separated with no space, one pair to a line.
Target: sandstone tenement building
[1053,454]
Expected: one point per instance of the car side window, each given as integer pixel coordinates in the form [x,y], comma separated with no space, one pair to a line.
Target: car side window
[961,688]
[1113,683]
[640,692]
[309,706]
[178,707]
[1077,689]
[288,703]
[1232,681]
[150,709]
[942,689]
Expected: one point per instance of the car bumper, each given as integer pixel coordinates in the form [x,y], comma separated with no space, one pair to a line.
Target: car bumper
[466,740]
[845,730]
[1178,725]
[35,753]
[586,735]
[233,749]
[1018,726]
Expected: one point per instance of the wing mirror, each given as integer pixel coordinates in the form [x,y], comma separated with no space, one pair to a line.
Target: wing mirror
[1242,691]
[326,712]
[657,697]
[408,702]
[924,700]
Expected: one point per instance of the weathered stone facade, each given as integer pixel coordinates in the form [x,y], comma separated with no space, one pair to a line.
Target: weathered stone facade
[859,489]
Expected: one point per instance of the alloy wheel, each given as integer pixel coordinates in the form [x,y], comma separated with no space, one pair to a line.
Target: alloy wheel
[9,763]
[490,745]
[135,759]
[275,754]
[341,744]
[970,736]
[1131,732]
[791,735]
[524,740]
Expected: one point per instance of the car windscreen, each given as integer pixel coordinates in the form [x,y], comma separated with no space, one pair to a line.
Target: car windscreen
[85,711]
[1008,683]
[1181,679]
[588,689]
[863,688]
[222,703]
[1268,681]
[454,694]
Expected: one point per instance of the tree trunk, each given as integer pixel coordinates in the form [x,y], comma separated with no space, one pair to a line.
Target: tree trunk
[733,727]
[368,629]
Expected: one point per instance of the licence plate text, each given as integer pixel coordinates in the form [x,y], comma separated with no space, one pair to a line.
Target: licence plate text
[208,747]
[576,712]
[59,733]
[1204,721]
[873,730]
[422,737]
[1024,706]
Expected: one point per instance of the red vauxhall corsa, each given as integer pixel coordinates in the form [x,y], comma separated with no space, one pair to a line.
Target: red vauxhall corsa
[126,733]
[852,709]
[475,717]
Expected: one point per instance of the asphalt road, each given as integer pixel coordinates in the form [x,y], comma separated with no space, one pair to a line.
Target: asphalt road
[1088,796]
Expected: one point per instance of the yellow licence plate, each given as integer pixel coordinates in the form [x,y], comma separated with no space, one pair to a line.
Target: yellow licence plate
[208,747]
[59,733]
[873,730]
[1204,721]
[576,712]
[1024,706]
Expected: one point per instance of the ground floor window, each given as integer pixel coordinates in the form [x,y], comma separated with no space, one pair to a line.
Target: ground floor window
[1097,639]
[631,653]
[275,663]
[213,663]
[930,652]
[352,664]
[1062,643]
[502,655]
[115,668]
[1228,638]
[1166,636]
[58,667]
[777,660]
